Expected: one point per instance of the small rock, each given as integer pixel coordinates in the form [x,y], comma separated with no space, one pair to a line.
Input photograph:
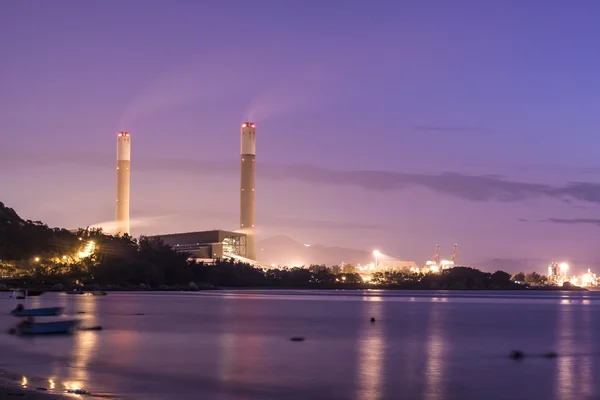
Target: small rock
[297,339]
[372,319]
[143,286]
[551,354]
[517,355]
[192,286]
[42,389]
[77,391]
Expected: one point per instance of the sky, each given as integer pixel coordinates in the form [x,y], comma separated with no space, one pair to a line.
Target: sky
[390,125]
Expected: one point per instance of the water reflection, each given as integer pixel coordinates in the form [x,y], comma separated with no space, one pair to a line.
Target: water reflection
[434,367]
[371,351]
[83,350]
[566,350]
[240,359]
[586,361]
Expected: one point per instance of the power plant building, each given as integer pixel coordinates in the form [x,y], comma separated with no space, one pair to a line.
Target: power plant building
[123,183]
[247,185]
[208,245]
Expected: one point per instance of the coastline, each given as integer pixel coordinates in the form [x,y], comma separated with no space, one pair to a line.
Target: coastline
[14,385]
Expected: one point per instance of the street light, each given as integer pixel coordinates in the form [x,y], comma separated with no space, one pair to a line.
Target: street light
[376,253]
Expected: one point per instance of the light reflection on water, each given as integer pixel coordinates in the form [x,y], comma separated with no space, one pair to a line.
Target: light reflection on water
[433,348]
[434,370]
[371,351]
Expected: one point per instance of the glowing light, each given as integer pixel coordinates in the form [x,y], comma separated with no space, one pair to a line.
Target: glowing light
[52,384]
[64,257]
[307,245]
[564,267]
[343,278]
[24,381]
[366,278]
[37,259]
[435,269]
[376,253]
[243,125]
[88,250]
[252,125]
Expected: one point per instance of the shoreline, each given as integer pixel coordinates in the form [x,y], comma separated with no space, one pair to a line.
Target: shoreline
[12,386]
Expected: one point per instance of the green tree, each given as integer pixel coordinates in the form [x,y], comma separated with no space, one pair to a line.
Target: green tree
[535,279]
[519,276]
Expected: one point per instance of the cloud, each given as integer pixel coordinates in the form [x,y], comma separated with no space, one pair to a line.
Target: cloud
[447,128]
[575,221]
[480,188]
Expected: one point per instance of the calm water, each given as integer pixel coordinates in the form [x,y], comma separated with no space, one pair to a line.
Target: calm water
[235,345]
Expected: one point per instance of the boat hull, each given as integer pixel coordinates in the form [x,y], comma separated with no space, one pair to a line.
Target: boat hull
[38,312]
[47,328]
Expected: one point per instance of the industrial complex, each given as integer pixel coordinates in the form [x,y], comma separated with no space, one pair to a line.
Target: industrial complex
[204,246]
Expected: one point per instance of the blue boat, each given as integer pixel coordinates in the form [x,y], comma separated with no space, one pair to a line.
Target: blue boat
[36,312]
[46,328]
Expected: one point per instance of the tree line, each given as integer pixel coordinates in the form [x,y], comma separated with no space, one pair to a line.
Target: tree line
[33,253]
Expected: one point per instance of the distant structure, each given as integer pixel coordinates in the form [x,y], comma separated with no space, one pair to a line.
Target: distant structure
[123,183]
[247,181]
[436,256]
[455,254]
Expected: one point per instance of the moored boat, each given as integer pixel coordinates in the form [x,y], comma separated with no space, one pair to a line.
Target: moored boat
[36,312]
[42,328]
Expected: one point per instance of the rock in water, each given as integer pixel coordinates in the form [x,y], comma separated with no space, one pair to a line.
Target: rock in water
[372,319]
[551,354]
[297,339]
[517,355]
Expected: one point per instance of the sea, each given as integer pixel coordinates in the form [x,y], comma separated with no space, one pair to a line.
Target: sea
[235,344]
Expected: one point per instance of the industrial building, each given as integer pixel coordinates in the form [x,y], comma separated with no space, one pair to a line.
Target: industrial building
[208,245]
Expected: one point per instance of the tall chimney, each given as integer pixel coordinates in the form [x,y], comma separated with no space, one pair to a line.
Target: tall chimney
[123,182]
[248,177]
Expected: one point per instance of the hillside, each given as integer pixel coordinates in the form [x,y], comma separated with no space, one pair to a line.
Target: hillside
[283,250]
[22,239]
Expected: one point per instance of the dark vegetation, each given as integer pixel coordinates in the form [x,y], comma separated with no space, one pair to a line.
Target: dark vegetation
[34,255]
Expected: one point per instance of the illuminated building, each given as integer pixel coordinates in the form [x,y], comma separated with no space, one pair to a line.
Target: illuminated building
[208,245]
[247,182]
[123,183]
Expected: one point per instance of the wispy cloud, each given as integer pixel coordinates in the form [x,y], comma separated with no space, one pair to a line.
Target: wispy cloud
[447,128]
[575,221]
[469,187]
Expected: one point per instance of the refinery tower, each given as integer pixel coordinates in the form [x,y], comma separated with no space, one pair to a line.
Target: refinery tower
[247,178]
[123,183]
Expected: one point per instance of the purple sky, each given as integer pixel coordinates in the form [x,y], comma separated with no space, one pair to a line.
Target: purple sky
[394,125]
